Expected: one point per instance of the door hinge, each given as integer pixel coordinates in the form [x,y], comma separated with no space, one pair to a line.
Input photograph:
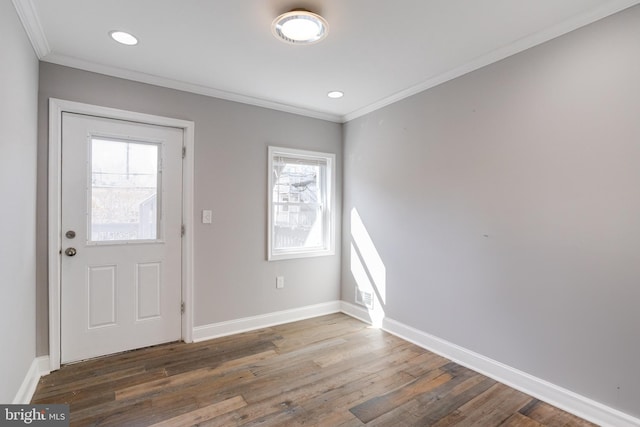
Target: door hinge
[183,230]
[182,307]
[184,152]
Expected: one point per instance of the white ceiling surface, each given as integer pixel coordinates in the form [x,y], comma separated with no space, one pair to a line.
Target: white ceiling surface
[377,51]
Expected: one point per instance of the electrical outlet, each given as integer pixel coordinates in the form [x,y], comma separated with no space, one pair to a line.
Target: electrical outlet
[279,282]
[207,216]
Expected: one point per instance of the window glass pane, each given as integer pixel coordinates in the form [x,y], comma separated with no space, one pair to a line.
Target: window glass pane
[124,190]
[298,226]
[297,183]
[298,204]
[300,211]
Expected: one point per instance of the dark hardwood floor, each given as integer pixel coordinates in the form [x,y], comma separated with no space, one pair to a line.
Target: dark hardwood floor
[328,371]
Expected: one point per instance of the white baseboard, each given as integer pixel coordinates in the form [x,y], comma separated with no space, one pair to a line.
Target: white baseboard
[38,368]
[216,330]
[562,398]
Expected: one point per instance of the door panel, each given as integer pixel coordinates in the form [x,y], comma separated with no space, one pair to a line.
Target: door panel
[101,288]
[148,280]
[121,235]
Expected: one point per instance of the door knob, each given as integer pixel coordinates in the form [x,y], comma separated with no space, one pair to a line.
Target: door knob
[70,251]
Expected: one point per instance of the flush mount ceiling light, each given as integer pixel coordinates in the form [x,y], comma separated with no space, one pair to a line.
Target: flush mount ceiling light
[335,94]
[300,27]
[124,38]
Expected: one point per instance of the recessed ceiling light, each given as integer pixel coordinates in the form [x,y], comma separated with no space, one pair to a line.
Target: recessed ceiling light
[300,27]
[124,38]
[335,94]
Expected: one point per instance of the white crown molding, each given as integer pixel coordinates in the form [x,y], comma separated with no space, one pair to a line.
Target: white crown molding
[29,17]
[518,46]
[533,386]
[31,22]
[186,87]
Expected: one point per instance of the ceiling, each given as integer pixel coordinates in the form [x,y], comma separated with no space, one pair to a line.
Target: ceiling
[377,51]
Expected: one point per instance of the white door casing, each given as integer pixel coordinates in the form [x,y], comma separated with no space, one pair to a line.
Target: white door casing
[125,295]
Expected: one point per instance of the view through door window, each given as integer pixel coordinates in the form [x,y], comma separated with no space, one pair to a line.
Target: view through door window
[124,190]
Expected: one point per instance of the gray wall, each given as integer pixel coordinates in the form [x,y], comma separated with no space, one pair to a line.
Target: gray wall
[18,109]
[232,277]
[505,206]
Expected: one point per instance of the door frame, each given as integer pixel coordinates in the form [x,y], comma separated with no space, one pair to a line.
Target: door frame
[56,108]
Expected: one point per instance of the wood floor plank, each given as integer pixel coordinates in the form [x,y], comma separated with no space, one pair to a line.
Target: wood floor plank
[313,374]
[330,371]
[168,404]
[218,356]
[427,408]
[380,405]
[548,415]
[403,415]
[197,375]
[51,385]
[449,397]
[357,348]
[492,407]
[352,388]
[340,391]
[110,414]
[519,420]
[204,414]
[156,386]
[326,386]
[178,381]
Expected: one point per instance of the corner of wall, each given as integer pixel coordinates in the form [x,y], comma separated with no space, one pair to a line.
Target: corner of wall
[39,367]
[557,396]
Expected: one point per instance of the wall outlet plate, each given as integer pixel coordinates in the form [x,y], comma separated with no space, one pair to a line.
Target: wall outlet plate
[207,216]
[279,282]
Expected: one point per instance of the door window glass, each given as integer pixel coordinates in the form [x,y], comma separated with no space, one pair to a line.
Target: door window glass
[125,181]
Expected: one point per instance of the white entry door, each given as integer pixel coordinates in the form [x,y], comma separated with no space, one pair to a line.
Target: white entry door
[121,236]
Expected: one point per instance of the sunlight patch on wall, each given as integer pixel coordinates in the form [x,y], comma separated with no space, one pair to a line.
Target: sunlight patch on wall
[367,268]
[370,255]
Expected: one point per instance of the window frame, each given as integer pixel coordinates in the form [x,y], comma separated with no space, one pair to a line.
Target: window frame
[328,205]
[159,190]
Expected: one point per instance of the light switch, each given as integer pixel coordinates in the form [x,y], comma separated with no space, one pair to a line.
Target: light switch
[207,216]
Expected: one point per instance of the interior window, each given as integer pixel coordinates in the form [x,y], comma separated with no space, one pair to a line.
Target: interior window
[301,218]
